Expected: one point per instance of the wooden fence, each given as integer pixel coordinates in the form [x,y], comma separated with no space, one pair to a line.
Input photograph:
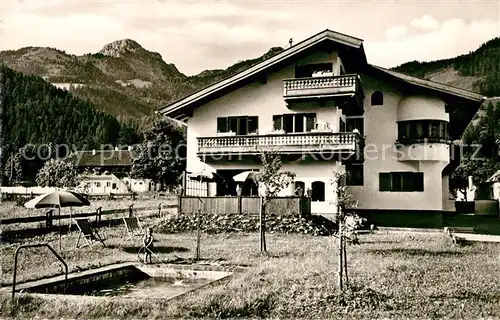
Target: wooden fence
[94,196]
[249,205]
[51,215]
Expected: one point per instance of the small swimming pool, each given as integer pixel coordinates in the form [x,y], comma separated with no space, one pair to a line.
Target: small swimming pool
[155,288]
[127,281]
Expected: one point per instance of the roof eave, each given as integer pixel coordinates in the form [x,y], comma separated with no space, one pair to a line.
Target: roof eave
[435,86]
[174,107]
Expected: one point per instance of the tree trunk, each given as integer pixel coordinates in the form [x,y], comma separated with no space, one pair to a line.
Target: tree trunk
[344,258]
[198,235]
[262,223]
[340,255]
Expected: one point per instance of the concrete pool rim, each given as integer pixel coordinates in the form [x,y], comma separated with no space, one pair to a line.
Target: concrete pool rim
[153,271]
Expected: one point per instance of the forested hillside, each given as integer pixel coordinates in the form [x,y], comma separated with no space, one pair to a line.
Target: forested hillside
[482,65]
[123,79]
[37,113]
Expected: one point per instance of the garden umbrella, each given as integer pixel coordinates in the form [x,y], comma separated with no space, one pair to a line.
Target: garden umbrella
[58,199]
[206,176]
[205,173]
[246,175]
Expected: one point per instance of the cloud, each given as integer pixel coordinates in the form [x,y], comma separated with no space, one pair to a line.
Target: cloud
[396,32]
[199,35]
[453,37]
[425,22]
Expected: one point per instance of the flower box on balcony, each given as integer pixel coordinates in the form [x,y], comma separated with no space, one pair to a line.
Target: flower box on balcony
[226,134]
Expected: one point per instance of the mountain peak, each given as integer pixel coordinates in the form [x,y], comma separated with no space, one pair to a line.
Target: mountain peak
[119,47]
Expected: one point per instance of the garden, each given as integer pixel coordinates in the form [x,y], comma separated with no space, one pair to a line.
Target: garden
[391,275]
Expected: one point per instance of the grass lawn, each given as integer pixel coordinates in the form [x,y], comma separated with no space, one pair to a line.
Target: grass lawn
[392,275]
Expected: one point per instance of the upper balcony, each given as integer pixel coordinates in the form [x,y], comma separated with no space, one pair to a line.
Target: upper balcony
[313,143]
[346,89]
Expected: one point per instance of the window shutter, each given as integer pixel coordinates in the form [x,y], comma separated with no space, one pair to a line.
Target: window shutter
[408,181]
[419,181]
[311,119]
[242,126]
[277,122]
[288,123]
[299,123]
[222,124]
[384,181]
[233,124]
[397,181]
[253,124]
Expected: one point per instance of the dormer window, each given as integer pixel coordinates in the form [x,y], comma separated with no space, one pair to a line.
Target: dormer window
[314,70]
[377,99]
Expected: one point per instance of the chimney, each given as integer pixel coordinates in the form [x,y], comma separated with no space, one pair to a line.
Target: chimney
[93,152]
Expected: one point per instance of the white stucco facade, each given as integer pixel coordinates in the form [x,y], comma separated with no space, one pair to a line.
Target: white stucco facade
[382,154]
[110,183]
[264,101]
[396,131]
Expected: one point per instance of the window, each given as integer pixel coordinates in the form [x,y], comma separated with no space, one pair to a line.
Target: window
[98,184]
[114,186]
[355,174]
[401,181]
[318,191]
[377,98]
[309,70]
[418,130]
[108,184]
[294,122]
[355,123]
[240,125]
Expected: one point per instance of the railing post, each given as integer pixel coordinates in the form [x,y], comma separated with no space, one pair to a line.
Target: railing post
[159,210]
[48,220]
[14,278]
[198,235]
[130,211]
[98,216]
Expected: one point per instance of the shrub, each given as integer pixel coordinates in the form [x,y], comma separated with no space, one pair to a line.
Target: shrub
[223,223]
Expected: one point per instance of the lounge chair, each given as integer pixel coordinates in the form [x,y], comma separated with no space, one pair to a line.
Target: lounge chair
[132,227]
[89,234]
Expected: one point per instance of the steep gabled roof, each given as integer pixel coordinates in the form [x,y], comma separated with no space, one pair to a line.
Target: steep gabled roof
[177,110]
[102,158]
[173,110]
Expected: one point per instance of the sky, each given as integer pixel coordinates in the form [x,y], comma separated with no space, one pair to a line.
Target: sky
[214,34]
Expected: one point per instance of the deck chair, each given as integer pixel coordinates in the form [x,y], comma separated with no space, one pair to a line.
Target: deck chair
[133,227]
[89,234]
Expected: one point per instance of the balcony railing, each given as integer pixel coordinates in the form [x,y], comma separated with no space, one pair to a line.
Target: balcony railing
[295,143]
[322,86]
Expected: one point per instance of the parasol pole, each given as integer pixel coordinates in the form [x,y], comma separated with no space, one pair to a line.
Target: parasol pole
[60,240]
[70,219]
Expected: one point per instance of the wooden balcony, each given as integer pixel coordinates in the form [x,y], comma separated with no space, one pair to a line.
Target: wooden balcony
[345,88]
[294,143]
